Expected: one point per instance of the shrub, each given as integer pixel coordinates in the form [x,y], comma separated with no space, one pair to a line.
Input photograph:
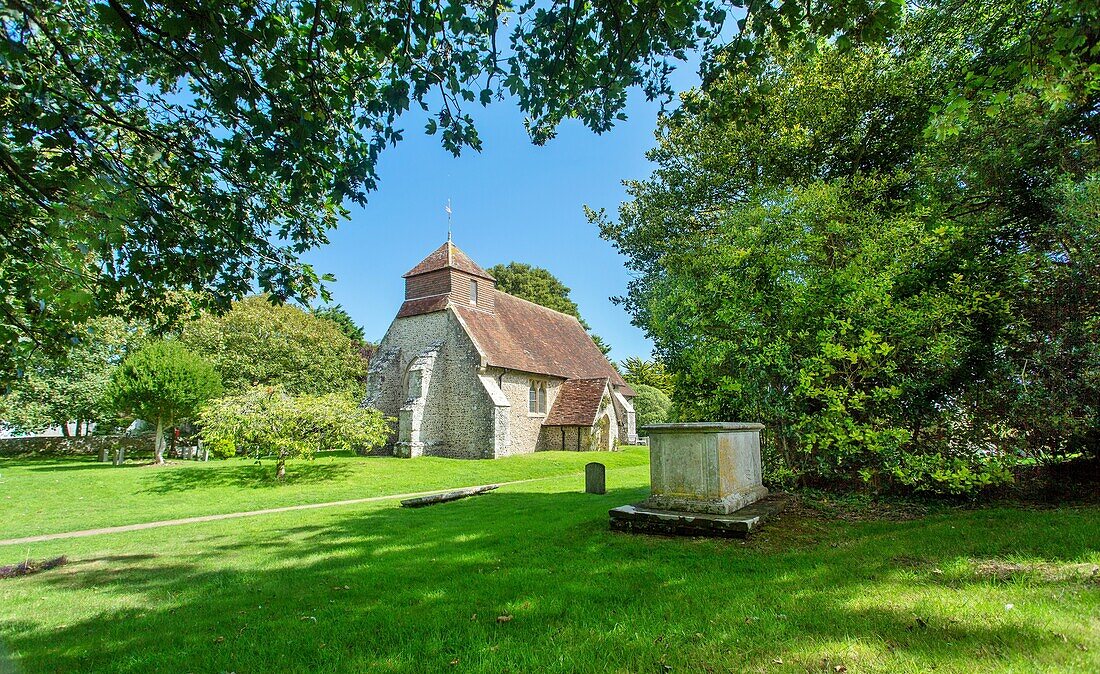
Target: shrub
[955,476]
[651,405]
[268,421]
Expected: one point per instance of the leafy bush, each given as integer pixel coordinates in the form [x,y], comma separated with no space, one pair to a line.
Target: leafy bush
[651,405]
[936,474]
[268,421]
[163,384]
[222,448]
[865,272]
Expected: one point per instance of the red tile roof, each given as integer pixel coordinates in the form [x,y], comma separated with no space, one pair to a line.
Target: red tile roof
[521,335]
[448,256]
[423,305]
[578,403]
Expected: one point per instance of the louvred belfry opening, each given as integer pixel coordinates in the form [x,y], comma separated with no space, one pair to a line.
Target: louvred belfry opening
[447,275]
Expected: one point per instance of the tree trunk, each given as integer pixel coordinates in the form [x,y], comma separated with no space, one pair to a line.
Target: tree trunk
[65,429]
[280,469]
[158,448]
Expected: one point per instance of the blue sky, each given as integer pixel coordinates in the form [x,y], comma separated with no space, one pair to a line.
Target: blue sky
[513,201]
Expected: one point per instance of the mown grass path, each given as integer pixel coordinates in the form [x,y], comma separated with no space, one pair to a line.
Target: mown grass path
[41,496]
[228,516]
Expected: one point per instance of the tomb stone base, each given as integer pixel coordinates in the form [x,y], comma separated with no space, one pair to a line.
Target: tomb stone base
[641,519]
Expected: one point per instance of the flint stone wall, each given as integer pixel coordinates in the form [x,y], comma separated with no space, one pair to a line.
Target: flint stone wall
[525,426]
[458,414]
[73,446]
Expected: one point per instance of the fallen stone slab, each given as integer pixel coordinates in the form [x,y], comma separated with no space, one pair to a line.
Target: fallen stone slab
[432,499]
[640,519]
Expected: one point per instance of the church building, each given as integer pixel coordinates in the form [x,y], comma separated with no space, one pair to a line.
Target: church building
[472,372]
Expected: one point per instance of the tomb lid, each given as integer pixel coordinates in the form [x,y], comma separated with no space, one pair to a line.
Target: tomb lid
[703,427]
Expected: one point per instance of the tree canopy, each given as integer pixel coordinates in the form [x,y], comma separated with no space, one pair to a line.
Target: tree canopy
[261,343]
[898,286]
[267,421]
[149,147]
[73,387]
[340,316]
[641,372]
[651,406]
[163,384]
[534,284]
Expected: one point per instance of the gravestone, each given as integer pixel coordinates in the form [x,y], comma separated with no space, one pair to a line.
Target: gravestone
[595,478]
[120,455]
[705,480]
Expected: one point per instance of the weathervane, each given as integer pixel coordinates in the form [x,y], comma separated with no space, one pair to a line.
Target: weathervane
[448,209]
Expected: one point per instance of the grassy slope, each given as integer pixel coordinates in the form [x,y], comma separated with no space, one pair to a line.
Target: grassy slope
[379,588]
[42,496]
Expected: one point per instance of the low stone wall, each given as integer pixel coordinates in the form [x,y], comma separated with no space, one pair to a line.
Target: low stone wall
[70,446]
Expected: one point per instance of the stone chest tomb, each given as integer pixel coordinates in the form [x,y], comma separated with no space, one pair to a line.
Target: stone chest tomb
[705,480]
[706,468]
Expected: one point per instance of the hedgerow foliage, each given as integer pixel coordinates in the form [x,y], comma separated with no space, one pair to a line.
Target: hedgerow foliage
[907,296]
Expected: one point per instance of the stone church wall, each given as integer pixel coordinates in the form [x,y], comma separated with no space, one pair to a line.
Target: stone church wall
[624,410]
[608,408]
[469,408]
[406,339]
[525,426]
[563,438]
[455,415]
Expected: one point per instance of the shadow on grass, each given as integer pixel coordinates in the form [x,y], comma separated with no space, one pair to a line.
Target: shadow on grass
[258,476]
[96,465]
[529,582]
[67,463]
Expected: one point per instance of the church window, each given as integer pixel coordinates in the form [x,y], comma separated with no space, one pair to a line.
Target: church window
[536,397]
[473,292]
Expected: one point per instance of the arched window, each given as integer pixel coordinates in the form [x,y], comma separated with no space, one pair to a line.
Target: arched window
[536,397]
[414,385]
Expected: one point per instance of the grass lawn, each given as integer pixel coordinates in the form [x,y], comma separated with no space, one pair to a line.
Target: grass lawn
[44,496]
[528,579]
